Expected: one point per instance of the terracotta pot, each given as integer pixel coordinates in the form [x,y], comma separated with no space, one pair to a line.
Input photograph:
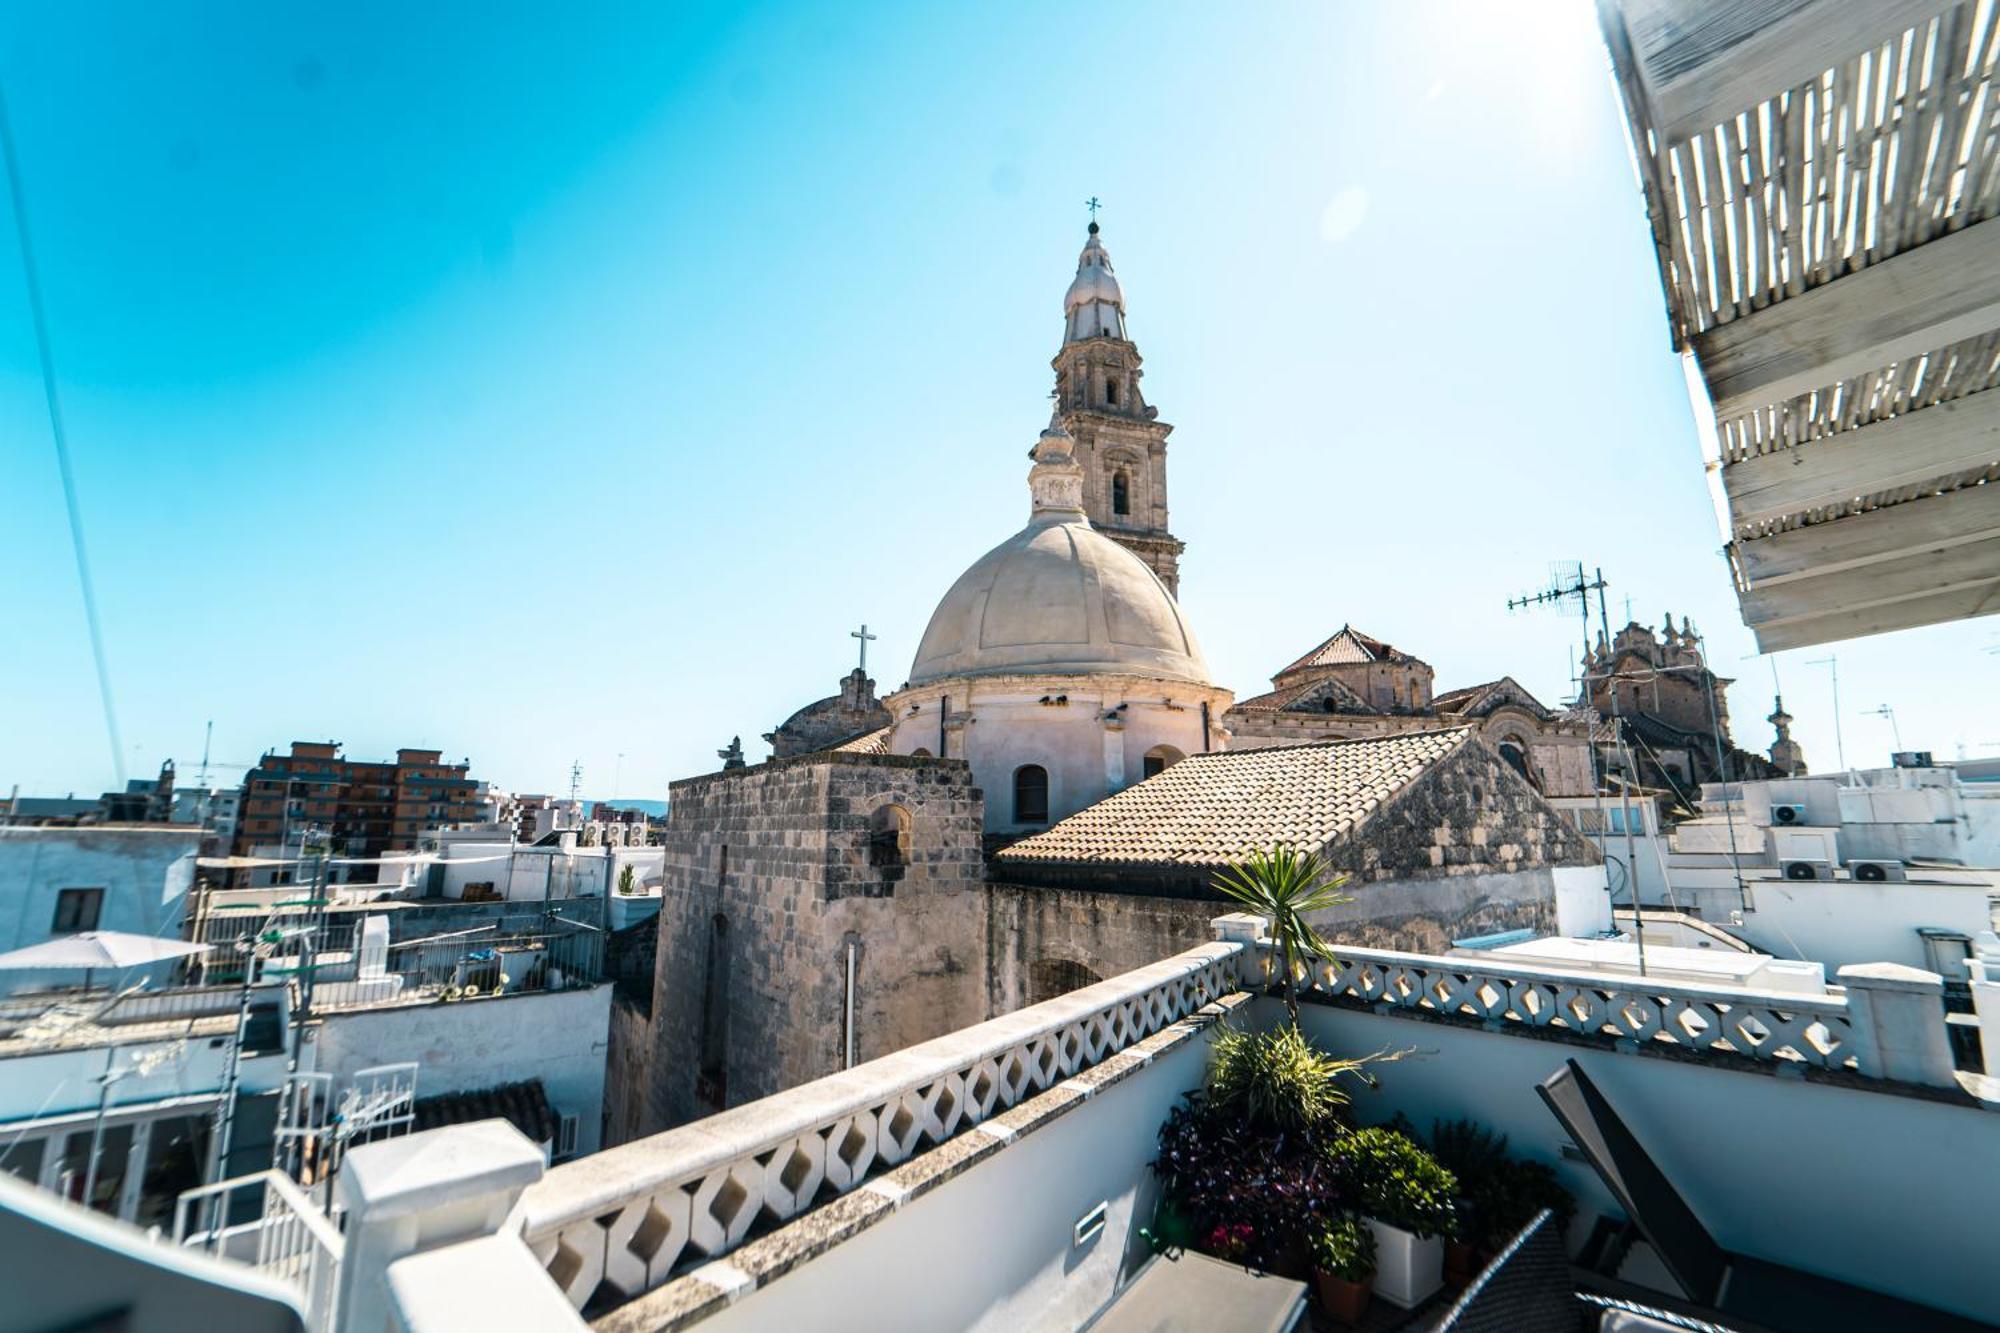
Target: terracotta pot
[1342,1300]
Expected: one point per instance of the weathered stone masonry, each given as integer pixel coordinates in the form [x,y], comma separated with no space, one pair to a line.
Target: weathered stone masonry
[771,874]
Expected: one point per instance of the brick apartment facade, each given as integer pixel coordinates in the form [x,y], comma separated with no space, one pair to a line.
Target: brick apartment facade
[368,807]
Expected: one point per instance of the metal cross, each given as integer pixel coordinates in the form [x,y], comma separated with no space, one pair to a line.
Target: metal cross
[1092,204]
[863,635]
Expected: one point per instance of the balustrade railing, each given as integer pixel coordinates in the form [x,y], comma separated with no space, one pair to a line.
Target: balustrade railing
[266,1222]
[1758,1025]
[630,1216]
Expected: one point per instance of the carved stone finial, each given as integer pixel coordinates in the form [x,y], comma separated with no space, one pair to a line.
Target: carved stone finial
[732,756]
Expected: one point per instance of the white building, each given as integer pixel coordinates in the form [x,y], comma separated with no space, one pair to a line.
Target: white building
[55,881]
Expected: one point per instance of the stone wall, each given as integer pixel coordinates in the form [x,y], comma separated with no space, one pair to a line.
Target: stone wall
[628,1070]
[1470,814]
[769,881]
[770,877]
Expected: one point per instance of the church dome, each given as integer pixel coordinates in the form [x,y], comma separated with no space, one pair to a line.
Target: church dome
[1058,598]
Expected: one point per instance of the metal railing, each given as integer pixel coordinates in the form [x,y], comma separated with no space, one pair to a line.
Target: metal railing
[265,1222]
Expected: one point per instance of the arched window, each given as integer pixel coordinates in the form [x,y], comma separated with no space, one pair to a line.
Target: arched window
[1110,392]
[889,840]
[920,753]
[1517,756]
[1050,977]
[1121,493]
[711,1080]
[1159,759]
[1031,794]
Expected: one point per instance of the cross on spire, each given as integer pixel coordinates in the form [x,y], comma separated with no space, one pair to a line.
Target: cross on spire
[1092,204]
[863,635]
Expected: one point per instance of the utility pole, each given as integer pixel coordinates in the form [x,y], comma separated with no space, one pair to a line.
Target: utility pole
[1832,663]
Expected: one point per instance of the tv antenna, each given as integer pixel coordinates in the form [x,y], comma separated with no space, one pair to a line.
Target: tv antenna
[575,779]
[1567,582]
[1890,713]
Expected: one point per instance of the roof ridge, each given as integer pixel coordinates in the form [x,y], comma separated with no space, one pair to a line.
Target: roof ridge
[1331,742]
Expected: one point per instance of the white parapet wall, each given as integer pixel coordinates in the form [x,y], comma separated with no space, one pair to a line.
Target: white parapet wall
[559,1037]
[1879,1186]
[634,1216]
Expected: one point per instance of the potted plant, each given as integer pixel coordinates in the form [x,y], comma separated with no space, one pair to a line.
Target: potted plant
[1474,1155]
[1246,1160]
[628,883]
[1406,1198]
[1343,1260]
[1284,884]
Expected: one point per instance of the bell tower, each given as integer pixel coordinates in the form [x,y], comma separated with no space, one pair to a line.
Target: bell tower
[1120,442]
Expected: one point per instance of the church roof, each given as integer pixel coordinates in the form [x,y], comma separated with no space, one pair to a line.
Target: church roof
[868,742]
[1215,809]
[1472,698]
[1348,645]
[1289,697]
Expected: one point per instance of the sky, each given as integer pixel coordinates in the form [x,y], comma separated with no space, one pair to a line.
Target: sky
[562,384]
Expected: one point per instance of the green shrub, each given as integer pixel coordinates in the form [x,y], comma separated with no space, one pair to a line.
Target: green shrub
[1344,1247]
[1277,1080]
[1508,1197]
[1393,1180]
[1467,1149]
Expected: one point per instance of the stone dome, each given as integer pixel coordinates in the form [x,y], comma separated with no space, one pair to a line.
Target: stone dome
[1058,598]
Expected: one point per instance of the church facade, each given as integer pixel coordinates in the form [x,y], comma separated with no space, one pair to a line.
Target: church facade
[1354,686]
[1045,801]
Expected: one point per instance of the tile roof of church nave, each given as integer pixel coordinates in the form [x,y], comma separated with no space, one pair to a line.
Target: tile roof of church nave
[1213,809]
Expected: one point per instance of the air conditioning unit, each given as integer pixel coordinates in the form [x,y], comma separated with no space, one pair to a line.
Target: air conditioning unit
[1808,870]
[1877,872]
[1788,814]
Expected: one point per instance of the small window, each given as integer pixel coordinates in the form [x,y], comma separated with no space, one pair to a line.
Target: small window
[1111,393]
[566,1137]
[77,909]
[889,838]
[1121,493]
[1159,759]
[1031,794]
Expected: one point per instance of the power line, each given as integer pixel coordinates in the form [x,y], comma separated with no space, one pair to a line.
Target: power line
[40,319]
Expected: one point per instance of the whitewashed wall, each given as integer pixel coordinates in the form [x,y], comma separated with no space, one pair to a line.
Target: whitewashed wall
[1839,922]
[559,1037]
[1888,1191]
[993,1249]
[145,873]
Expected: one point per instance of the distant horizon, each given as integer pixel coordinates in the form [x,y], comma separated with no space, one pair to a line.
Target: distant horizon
[564,391]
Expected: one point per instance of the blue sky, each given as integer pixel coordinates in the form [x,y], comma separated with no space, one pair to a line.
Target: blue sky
[552,383]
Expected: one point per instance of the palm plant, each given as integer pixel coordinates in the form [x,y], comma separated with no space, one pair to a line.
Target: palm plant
[1283,885]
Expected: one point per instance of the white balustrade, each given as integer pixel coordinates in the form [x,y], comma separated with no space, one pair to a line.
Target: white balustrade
[630,1216]
[1758,1025]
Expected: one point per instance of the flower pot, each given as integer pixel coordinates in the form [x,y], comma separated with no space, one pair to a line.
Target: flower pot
[1461,1263]
[1408,1271]
[1342,1300]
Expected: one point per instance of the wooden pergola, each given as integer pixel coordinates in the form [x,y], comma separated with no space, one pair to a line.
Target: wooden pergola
[1822,178]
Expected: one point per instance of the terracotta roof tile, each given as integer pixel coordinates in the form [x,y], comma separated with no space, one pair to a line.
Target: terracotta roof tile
[868,742]
[1288,695]
[1348,645]
[1214,809]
